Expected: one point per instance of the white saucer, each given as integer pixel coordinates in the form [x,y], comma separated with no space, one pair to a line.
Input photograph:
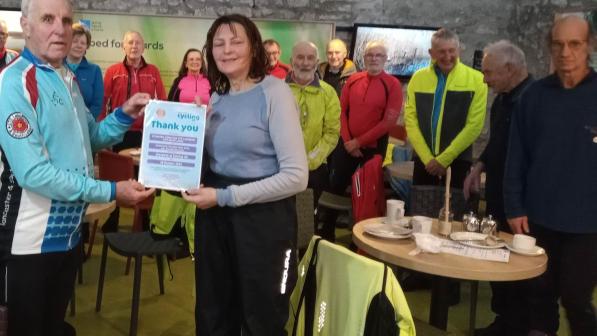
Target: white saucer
[387,231]
[403,222]
[534,252]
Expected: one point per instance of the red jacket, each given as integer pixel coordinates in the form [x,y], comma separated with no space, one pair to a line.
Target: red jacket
[280,70]
[370,107]
[118,87]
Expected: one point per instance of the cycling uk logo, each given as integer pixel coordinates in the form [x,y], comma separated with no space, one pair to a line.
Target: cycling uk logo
[18,126]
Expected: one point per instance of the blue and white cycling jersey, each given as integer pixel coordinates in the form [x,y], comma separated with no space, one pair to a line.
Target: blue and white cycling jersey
[47,137]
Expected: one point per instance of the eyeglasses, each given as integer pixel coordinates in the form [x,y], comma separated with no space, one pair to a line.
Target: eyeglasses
[371,56]
[574,45]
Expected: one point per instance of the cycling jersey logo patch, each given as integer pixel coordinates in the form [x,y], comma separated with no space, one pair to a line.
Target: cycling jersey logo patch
[18,126]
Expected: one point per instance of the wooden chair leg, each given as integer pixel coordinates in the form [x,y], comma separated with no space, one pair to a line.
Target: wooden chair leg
[128,266]
[92,231]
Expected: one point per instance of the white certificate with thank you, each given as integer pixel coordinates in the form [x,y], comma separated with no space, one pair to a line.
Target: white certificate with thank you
[172,147]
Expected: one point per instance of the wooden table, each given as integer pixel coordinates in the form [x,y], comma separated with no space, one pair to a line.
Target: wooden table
[95,212]
[447,266]
[127,152]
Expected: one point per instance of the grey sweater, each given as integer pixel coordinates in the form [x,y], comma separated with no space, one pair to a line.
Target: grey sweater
[256,134]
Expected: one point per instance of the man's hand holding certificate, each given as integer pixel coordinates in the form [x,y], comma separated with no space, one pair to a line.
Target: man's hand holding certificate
[172,148]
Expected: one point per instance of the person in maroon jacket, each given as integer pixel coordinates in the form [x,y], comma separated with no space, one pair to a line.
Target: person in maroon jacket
[371,101]
[124,79]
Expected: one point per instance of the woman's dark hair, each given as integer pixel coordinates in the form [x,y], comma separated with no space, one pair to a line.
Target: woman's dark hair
[183,67]
[257,71]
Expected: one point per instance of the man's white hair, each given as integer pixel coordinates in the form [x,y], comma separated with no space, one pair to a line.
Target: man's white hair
[505,52]
[132,32]
[307,44]
[445,34]
[376,43]
[26,6]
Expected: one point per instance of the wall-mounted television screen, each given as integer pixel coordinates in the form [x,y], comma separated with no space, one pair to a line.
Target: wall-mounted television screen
[408,46]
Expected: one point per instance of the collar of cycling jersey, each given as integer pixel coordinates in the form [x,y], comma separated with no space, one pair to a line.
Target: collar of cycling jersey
[36,61]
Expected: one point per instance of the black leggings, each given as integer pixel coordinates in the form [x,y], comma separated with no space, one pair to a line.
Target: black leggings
[245,268]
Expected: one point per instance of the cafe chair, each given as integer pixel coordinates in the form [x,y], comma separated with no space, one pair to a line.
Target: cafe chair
[116,167]
[427,200]
[342,204]
[333,283]
[136,245]
[305,219]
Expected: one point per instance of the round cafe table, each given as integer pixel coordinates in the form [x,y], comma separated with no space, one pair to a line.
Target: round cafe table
[445,266]
[95,212]
[128,152]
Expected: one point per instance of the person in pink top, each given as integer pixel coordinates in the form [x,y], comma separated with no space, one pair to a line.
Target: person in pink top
[191,81]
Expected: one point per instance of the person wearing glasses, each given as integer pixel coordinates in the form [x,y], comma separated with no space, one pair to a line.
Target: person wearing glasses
[6,55]
[371,101]
[550,186]
[319,113]
[275,67]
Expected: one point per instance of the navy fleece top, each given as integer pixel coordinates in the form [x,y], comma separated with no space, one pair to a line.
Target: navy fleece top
[551,170]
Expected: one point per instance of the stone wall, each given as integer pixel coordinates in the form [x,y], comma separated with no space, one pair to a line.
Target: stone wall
[530,23]
[477,21]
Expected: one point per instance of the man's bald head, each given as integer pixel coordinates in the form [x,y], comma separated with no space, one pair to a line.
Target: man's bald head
[336,53]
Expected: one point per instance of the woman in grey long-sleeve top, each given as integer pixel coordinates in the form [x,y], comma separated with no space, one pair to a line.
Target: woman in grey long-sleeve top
[246,230]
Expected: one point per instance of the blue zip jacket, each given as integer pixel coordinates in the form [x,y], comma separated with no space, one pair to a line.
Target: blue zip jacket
[91,83]
[46,167]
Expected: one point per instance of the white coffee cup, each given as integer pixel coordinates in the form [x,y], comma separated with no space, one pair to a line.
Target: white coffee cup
[421,224]
[394,211]
[523,242]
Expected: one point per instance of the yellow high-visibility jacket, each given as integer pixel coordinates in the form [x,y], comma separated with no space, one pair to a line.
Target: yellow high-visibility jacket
[461,118]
